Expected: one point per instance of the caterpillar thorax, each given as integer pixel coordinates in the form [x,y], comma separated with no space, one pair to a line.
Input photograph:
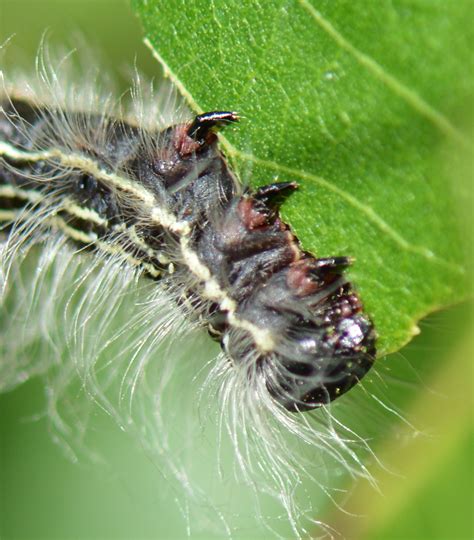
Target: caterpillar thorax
[167,203]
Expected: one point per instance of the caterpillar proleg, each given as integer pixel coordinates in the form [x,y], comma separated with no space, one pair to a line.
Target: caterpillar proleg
[78,174]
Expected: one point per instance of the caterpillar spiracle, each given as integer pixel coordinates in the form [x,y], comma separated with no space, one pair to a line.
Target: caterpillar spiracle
[81,175]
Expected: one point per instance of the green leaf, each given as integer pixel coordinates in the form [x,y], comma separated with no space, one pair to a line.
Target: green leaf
[367,105]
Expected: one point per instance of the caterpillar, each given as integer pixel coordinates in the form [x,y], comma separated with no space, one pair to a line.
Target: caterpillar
[161,202]
[167,202]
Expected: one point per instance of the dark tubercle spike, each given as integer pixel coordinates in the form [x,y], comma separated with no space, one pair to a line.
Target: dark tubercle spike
[204,123]
[268,192]
[331,263]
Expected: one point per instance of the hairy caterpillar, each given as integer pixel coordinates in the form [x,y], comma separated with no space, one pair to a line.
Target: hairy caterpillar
[167,203]
[162,202]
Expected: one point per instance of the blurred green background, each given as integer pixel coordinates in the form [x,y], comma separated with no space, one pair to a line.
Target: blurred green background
[427,492]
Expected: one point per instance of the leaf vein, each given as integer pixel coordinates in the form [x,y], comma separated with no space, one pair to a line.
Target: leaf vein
[367,210]
[410,97]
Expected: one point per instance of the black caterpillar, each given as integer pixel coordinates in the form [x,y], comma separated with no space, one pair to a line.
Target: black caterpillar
[167,203]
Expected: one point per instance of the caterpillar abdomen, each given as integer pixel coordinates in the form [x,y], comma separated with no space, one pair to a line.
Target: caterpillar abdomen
[167,203]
